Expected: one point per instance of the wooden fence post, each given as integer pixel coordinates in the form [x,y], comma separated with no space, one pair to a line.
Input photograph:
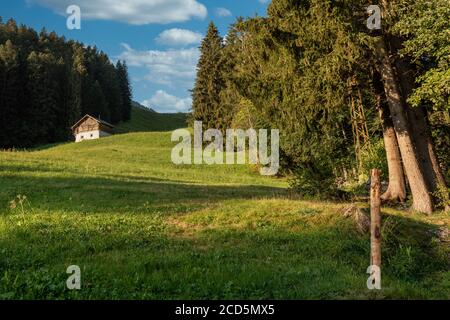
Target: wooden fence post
[375,218]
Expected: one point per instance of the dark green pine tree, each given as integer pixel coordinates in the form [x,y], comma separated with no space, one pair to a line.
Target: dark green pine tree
[9,94]
[77,75]
[95,102]
[109,83]
[293,68]
[209,83]
[125,89]
[44,105]
[49,83]
[230,98]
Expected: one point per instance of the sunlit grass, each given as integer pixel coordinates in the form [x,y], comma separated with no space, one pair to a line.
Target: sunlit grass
[142,228]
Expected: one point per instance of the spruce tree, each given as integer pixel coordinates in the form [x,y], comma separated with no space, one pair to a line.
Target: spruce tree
[209,82]
[125,90]
[78,74]
[230,99]
[9,95]
[50,82]
[44,105]
[294,68]
[109,82]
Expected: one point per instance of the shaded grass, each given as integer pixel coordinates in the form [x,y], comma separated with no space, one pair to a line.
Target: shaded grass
[142,228]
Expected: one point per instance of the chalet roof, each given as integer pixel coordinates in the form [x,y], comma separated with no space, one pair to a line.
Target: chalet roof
[93,118]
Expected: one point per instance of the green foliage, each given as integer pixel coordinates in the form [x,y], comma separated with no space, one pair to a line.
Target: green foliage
[10,92]
[303,67]
[246,116]
[125,90]
[440,124]
[442,195]
[298,68]
[374,156]
[426,27]
[95,101]
[44,94]
[207,105]
[51,82]
[314,183]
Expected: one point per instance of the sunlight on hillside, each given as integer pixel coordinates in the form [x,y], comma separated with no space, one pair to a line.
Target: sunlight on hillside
[120,209]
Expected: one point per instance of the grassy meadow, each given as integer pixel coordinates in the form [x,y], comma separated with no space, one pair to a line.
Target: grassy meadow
[142,228]
[144,120]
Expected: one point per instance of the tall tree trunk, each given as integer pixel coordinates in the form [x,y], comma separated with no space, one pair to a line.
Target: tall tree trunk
[418,119]
[397,188]
[422,200]
[425,147]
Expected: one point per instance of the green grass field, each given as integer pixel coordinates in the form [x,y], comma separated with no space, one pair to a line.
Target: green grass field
[145,120]
[142,228]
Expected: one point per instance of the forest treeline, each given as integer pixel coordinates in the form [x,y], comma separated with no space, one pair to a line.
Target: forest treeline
[47,83]
[346,99]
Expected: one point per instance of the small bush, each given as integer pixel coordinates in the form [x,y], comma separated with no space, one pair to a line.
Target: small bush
[374,156]
[318,183]
[442,195]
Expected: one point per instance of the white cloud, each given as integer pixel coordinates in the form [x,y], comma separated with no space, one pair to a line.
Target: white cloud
[223,12]
[161,101]
[136,12]
[179,37]
[173,68]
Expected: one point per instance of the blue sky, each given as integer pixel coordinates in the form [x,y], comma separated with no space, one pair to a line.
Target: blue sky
[159,39]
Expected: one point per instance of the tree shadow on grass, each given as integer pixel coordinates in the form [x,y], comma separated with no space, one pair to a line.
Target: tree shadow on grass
[142,265]
[35,168]
[412,250]
[267,263]
[90,194]
[28,168]
[145,260]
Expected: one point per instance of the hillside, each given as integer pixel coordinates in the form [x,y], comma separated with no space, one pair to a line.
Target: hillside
[147,120]
[142,228]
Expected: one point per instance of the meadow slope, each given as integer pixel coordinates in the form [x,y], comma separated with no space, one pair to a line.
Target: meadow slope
[142,228]
[147,120]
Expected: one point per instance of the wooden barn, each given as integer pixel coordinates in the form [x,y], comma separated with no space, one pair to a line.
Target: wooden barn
[90,128]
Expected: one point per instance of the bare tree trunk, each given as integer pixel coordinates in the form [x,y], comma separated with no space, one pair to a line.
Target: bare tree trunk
[425,147]
[418,119]
[422,200]
[375,218]
[397,188]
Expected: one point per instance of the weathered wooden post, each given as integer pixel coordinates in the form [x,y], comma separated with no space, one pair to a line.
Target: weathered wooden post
[375,218]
